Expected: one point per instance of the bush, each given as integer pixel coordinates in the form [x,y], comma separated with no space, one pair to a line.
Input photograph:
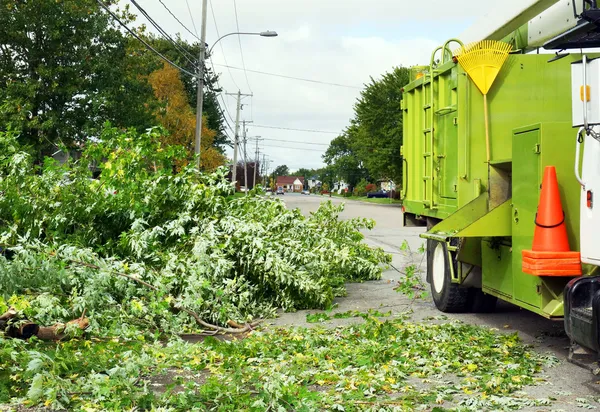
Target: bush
[361,188]
[371,187]
[73,238]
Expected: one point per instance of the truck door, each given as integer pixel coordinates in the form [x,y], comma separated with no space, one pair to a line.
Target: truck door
[447,156]
[590,202]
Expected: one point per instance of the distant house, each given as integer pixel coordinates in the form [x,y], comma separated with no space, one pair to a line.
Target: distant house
[340,186]
[313,182]
[291,183]
[388,185]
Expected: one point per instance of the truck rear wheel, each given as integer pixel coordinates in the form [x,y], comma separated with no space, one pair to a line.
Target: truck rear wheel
[447,296]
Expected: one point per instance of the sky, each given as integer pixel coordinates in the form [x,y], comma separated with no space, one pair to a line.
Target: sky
[341,42]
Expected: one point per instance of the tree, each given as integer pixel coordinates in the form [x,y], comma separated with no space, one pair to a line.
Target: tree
[282,170]
[370,147]
[176,115]
[63,66]
[67,67]
[183,55]
[342,156]
[377,127]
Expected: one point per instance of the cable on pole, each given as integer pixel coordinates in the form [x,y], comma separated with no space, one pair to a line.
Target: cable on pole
[221,45]
[145,43]
[295,130]
[291,141]
[237,23]
[179,21]
[166,35]
[291,77]
[192,18]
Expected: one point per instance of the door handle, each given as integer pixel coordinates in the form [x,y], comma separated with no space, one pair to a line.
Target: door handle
[577,156]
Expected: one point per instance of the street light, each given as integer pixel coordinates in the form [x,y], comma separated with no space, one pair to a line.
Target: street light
[200,77]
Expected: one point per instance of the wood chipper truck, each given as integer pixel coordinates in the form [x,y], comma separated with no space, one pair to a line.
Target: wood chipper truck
[502,165]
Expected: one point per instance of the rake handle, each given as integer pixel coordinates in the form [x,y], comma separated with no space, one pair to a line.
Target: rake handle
[487,128]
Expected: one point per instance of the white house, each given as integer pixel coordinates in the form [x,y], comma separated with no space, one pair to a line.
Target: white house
[313,182]
[388,185]
[340,186]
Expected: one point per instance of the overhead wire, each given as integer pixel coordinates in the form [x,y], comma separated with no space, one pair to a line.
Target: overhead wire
[294,129]
[166,35]
[179,21]
[145,43]
[237,23]
[295,148]
[291,77]
[219,95]
[290,141]
[230,74]
[221,44]
[191,17]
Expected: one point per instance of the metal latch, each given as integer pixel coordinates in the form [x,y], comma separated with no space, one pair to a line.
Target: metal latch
[537,149]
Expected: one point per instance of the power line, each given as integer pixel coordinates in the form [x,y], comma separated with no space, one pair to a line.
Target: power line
[296,148]
[221,45]
[237,23]
[290,77]
[295,130]
[192,18]
[148,46]
[292,141]
[166,35]
[179,21]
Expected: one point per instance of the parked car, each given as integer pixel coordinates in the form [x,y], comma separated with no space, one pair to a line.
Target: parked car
[305,192]
[280,191]
[380,193]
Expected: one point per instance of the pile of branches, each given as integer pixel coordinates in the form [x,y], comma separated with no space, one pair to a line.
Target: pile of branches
[133,240]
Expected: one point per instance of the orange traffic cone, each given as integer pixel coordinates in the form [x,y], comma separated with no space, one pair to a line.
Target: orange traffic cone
[550,229]
[550,254]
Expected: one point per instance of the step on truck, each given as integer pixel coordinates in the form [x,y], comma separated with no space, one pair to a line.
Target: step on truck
[502,165]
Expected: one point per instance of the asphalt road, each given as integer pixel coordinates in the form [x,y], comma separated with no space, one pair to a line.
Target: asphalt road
[566,382]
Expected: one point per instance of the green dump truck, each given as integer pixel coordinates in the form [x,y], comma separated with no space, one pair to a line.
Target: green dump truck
[480,212]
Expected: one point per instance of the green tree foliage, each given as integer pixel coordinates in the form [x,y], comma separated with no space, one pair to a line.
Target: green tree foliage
[379,125]
[341,155]
[370,146]
[361,188]
[282,170]
[63,66]
[66,67]
[222,258]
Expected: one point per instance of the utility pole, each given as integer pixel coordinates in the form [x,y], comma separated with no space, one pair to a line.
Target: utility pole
[245,157]
[265,170]
[245,154]
[200,84]
[237,133]
[256,157]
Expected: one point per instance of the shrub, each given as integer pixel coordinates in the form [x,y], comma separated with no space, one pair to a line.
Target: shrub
[371,187]
[181,233]
[361,188]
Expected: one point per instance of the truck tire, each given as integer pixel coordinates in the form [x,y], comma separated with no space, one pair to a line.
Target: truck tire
[480,302]
[447,296]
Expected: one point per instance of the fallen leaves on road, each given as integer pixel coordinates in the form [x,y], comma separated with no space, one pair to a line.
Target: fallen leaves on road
[377,365]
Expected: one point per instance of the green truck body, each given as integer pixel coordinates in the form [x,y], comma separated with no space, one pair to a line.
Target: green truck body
[485,213]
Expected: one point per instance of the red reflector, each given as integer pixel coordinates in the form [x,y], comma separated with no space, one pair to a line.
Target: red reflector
[403,209]
[590,199]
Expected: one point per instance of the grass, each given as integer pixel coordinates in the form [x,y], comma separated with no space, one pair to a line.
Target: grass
[381,201]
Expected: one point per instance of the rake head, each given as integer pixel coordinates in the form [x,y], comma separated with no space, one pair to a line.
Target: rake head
[483,61]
